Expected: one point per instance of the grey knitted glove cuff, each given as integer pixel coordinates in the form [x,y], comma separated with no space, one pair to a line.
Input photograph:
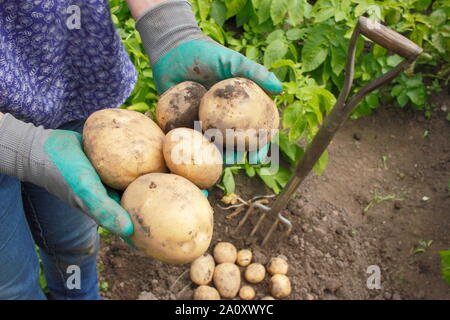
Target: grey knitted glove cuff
[165,26]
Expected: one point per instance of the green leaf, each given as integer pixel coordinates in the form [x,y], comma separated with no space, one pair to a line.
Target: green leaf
[263,9]
[275,51]
[394,60]
[417,96]
[295,9]
[422,5]
[295,34]
[314,51]
[321,165]
[139,107]
[213,30]
[252,53]
[234,6]
[278,10]
[445,263]
[228,181]
[204,7]
[402,99]
[338,60]
[219,12]
[372,100]
[275,35]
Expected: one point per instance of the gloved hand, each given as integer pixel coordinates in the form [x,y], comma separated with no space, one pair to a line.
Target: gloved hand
[179,51]
[54,160]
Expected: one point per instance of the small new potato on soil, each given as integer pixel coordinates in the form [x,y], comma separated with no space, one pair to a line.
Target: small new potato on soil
[244,257]
[178,107]
[173,220]
[206,293]
[202,270]
[225,252]
[255,273]
[189,154]
[277,266]
[241,112]
[247,293]
[280,286]
[123,145]
[227,279]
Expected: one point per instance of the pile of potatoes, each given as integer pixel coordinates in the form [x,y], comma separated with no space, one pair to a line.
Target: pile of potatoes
[173,220]
[223,269]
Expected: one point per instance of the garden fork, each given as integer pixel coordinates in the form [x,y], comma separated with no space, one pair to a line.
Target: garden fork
[386,38]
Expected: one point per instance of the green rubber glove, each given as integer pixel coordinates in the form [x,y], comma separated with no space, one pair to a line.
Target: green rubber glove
[179,51]
[54,160]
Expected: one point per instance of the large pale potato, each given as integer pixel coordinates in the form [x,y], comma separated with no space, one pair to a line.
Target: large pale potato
[173,220]
[123,145]
[189,154]
[242,107]
[227,279]
[202,270]
[178,106]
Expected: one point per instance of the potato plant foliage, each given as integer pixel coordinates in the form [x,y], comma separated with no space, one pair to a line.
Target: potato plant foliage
[305,44]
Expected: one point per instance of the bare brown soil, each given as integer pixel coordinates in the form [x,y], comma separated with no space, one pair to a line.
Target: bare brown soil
[396,157]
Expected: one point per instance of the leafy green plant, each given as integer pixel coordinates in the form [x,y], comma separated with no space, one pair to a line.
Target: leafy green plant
[423,246]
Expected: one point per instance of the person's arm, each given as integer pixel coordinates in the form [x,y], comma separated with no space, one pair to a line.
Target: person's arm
[54,160]
[139,7]
[179,51]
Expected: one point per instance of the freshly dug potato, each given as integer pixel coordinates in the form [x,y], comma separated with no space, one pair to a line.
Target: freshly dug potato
[227,279]
[280,286]
[268,298]
[189,154]
[123,145]
[202,270]
[173,220]
[247,293]
[277,266]
[178,107]
[244,257]
[225,252]
[255,273]
[206,293]
[242,107]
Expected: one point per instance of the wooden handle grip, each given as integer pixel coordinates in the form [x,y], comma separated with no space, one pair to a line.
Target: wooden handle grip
[388,38]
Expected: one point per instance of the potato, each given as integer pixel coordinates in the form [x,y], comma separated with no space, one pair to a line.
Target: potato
[178,107]
[255,273]
[206,293]
[267,298]
[242,107]
[123,145]
[202,270]
[173,220]
[189,154]
[244,257]
[277,266]
[247,293]
[227,279]
[225,252]
[280,286]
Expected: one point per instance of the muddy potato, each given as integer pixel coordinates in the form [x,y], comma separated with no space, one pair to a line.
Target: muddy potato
[206,293]
[227,279]
[202,270]
[280,286]
[173,220]
[244,257]
[247,293]
[225,252]
[242,107]
[178,107]
[189,154]
[255,273]
[123,145]
[277,266]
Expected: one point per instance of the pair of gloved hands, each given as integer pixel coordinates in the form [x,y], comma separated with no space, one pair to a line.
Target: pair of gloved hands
[54,159]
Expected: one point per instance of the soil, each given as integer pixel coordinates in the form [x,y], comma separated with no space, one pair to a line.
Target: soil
[340,229]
